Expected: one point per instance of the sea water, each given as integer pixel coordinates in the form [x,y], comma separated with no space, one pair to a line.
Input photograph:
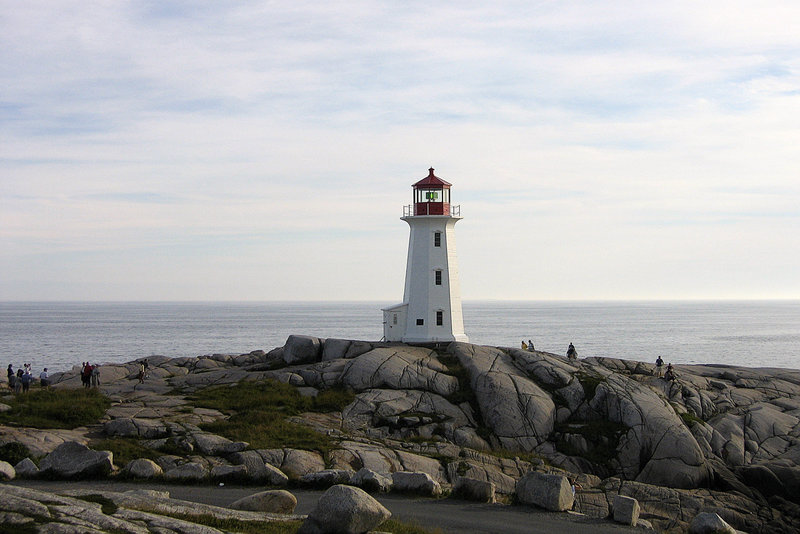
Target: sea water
[59,335]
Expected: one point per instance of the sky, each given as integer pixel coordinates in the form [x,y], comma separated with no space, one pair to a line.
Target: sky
[615,150]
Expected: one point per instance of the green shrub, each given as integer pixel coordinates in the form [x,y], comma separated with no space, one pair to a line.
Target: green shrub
[589,383]
[690,419]
[25,528]
[602,436]
[454,368]
[259,412]
[333,399]
[56,408]
[14,452]
[125,450]
[264,429]
[269,394]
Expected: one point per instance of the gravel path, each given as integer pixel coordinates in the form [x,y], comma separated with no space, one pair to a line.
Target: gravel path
[450,515]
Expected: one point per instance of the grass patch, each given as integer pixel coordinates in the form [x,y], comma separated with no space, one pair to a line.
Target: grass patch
[107,506]
[690,419]
[271,394]
[14,452]
[454,368]
[602,436]
[264,429]
[25,528]
[334,399]
[237,525]
[245,396]
[589,383]
[259,411]
[399,527]
[125,450]
[56,408]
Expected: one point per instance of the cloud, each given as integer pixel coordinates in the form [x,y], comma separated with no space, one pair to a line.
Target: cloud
[658,141]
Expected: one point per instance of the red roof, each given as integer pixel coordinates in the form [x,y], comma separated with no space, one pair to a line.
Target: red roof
[431,181]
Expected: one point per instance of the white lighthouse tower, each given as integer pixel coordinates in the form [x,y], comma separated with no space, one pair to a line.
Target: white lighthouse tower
[431,307]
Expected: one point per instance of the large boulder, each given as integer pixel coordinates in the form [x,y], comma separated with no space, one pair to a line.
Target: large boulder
[75,460]
[143,468]
[370,481]
[294,462]
[271,501]
[344,510]
[520,414]
[710,523]
[301,349]
[419,483]
[334,349]
[402,412]
[7,471]
[626,510]
[474,490]
[327,478]
[232,473]
[258,470]
[189,472]
[658,448]
[127,427]
[399,368]
[25,468]
[551,492]
[213,445]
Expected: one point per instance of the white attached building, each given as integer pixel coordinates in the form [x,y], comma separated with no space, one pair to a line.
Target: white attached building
[431,307]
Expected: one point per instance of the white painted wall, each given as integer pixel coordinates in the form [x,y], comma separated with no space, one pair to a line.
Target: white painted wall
[423,297]
[394,322]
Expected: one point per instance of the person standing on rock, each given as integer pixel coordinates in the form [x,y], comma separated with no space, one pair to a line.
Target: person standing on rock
[18,382]
[86,375]
[44,378]
[659,365]
[140,376]
[27,378]
[572,354]
[11,377]
[95,375]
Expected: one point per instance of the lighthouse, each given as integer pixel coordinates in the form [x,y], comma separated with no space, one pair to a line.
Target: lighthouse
[431,307]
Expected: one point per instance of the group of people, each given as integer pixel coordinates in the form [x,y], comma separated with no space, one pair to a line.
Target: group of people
[572,354]
[90,375]
[21,380]
[669,374]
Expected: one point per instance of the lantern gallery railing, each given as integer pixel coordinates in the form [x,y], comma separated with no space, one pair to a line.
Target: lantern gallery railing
[408,210]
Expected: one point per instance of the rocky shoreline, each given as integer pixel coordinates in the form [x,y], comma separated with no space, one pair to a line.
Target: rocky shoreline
[485,423]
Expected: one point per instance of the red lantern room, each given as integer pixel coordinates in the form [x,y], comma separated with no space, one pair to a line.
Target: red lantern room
[431,196]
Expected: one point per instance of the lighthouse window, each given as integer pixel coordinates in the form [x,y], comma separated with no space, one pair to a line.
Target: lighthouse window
[420,322]
[438,277]
[437,239]
[439,318]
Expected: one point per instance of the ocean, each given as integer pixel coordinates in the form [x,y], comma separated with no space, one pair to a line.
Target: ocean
[59,335]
